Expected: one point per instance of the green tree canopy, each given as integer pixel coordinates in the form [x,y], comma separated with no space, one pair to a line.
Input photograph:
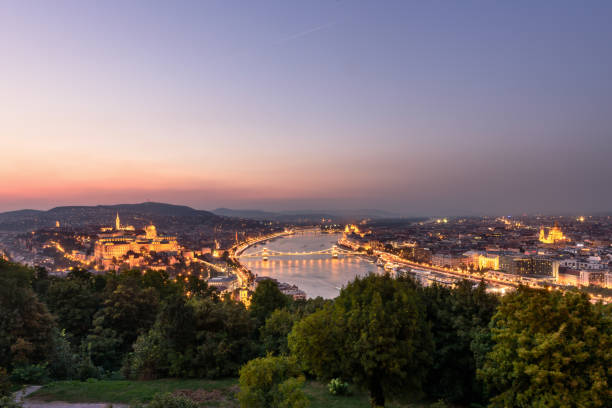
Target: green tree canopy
[458,318]
[224,340]
[127,312]
[271,382]
[266,299]
[197,337]
[74,302]
[550,350]
[273,334]
[25,324]
[375,335]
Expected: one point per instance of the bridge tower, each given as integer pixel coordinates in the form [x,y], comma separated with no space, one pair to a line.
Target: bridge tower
[264,254]
[334,252]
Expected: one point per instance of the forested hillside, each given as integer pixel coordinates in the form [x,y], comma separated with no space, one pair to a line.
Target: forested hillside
[391,337]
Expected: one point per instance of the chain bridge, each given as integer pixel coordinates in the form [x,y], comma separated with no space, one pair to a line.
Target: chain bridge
[264,253]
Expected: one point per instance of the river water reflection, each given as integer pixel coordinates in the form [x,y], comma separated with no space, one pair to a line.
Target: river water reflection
[317,275]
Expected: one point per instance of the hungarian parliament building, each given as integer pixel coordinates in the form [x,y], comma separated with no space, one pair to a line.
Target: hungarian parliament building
[115,243]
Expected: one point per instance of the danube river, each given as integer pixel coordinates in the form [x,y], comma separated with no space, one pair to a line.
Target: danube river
[317,275]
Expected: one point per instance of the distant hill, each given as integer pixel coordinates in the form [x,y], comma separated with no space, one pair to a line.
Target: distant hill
[148,208]
[252,214]
[305,216]
[167,216]
[163,215]
[21,213]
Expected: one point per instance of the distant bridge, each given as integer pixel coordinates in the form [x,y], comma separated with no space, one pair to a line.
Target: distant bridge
[217,268]
[334,251]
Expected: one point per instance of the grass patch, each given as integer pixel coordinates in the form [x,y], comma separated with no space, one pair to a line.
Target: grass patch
[123,391]
[132,392]
[320,397]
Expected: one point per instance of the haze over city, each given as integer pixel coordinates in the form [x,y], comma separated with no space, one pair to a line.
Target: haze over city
[419,109]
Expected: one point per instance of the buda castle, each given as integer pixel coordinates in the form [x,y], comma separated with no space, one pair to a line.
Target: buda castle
[116,243]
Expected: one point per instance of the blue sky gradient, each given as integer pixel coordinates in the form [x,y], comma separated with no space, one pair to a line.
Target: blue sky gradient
[420,108]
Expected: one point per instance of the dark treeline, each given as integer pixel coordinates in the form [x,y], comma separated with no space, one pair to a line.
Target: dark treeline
[392,337]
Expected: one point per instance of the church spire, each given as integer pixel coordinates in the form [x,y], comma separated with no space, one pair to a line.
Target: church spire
[117,222]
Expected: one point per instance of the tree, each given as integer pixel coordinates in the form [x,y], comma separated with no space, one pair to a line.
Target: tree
[273,334]
[63,363]
[103,347]
[303,307]
[550,350]
[458,318]
[158,280]
[375,334]
[198,287]
[176,322]
[174,333]
[74,302]
[127,312]
[225,337]
[196,337]
[271,382]
[149,360]
[266,299]
[25,323]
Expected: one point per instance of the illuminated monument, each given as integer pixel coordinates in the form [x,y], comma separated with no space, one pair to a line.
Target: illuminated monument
[352,228]
[120,227]
[554,236]
[123,240]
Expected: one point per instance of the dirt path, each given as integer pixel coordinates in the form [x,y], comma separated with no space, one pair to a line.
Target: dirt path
[24,392]
[22,396]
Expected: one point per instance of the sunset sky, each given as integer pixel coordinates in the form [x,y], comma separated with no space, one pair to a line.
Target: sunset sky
[420,108]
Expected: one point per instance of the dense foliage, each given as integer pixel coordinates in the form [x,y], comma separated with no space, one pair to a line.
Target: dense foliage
[274,332]
[79,326]
[74,301]
[25,323]
[375,335]
[195,337]
[271,382]
[550,350]
[266,299]
[389,336]
[459,320]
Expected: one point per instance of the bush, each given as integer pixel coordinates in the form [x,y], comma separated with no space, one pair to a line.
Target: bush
[148,360]
[271,382]
[31,374]
[168,400]
[337,387]
[86,369]
[113,376]
[7,402]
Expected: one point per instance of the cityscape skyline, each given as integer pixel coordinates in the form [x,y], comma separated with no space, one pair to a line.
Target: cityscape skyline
[417,109]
